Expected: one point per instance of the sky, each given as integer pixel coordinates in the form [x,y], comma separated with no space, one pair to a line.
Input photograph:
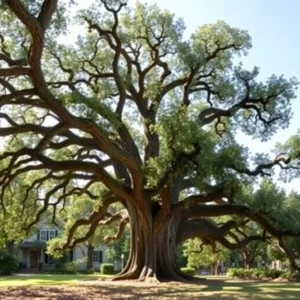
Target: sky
[274,26]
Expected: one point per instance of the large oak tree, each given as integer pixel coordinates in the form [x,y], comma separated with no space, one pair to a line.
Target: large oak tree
[133,113]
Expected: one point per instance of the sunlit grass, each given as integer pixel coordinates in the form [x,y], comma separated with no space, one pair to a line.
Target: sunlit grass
[212,288]
[46,279]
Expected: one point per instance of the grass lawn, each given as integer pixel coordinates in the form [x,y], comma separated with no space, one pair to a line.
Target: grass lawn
[45,279]
[82,287]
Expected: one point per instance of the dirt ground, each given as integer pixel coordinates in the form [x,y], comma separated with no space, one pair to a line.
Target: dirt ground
[108,290]
[212,289]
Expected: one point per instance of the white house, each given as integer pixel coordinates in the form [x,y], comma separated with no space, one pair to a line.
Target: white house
[32,251]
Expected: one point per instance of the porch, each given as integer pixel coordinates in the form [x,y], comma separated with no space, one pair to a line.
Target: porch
[30,255]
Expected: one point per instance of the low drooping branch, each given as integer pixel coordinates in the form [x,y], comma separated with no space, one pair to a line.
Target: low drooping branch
[47,163]
[92,222]
[239,210]
[123,217]
[210,234]
[191,201]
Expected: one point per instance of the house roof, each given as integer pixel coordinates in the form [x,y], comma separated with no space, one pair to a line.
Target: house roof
[32,245]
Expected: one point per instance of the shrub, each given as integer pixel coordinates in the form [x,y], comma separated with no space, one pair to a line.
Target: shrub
[8,263]
[107,269]
[286,275]
[264,273]
[272,273]
[255,273]
[71,267]
[295,276]
[236,272]
[78,264]
[189,271]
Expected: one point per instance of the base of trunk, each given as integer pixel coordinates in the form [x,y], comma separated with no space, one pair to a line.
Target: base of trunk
[147,275]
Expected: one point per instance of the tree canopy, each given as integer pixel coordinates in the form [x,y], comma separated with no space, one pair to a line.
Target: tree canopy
[135,114]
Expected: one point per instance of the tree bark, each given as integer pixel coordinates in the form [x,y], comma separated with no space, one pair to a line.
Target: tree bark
[152,253]
[215,268]
[90,250]
[248,260]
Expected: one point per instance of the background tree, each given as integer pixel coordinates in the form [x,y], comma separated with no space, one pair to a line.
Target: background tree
[200,256]
[115,249]
[255,251]
[133,113]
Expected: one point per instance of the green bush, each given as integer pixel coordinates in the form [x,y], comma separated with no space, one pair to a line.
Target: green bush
[236,272]
[272,273]
[189,271]
[107,269]
[8,263]
[263,273]
[294,276]
[71,267]
[286,275]
[255,273]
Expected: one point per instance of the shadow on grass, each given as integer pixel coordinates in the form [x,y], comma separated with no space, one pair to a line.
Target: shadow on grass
[207,289]
[259,289]
[104,292]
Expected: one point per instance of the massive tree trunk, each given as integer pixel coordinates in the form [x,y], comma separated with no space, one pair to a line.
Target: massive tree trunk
[153,242]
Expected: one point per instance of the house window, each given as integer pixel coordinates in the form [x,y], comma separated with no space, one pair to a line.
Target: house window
[51,234]
[98,256]
[46,235]
[43,235]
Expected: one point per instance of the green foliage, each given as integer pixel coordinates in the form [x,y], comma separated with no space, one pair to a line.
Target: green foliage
[76,265]
[269,199]
[54,248]
[107,269]
[63,266]
[189,271]
[262,273]
[8,263]
[204,258]
[293,276]
[116,248]
[275,253]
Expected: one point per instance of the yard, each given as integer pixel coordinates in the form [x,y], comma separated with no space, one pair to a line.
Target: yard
[80,287]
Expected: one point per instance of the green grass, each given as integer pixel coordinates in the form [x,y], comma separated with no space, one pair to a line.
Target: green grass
[252,289]
[213,288]
[46,279]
